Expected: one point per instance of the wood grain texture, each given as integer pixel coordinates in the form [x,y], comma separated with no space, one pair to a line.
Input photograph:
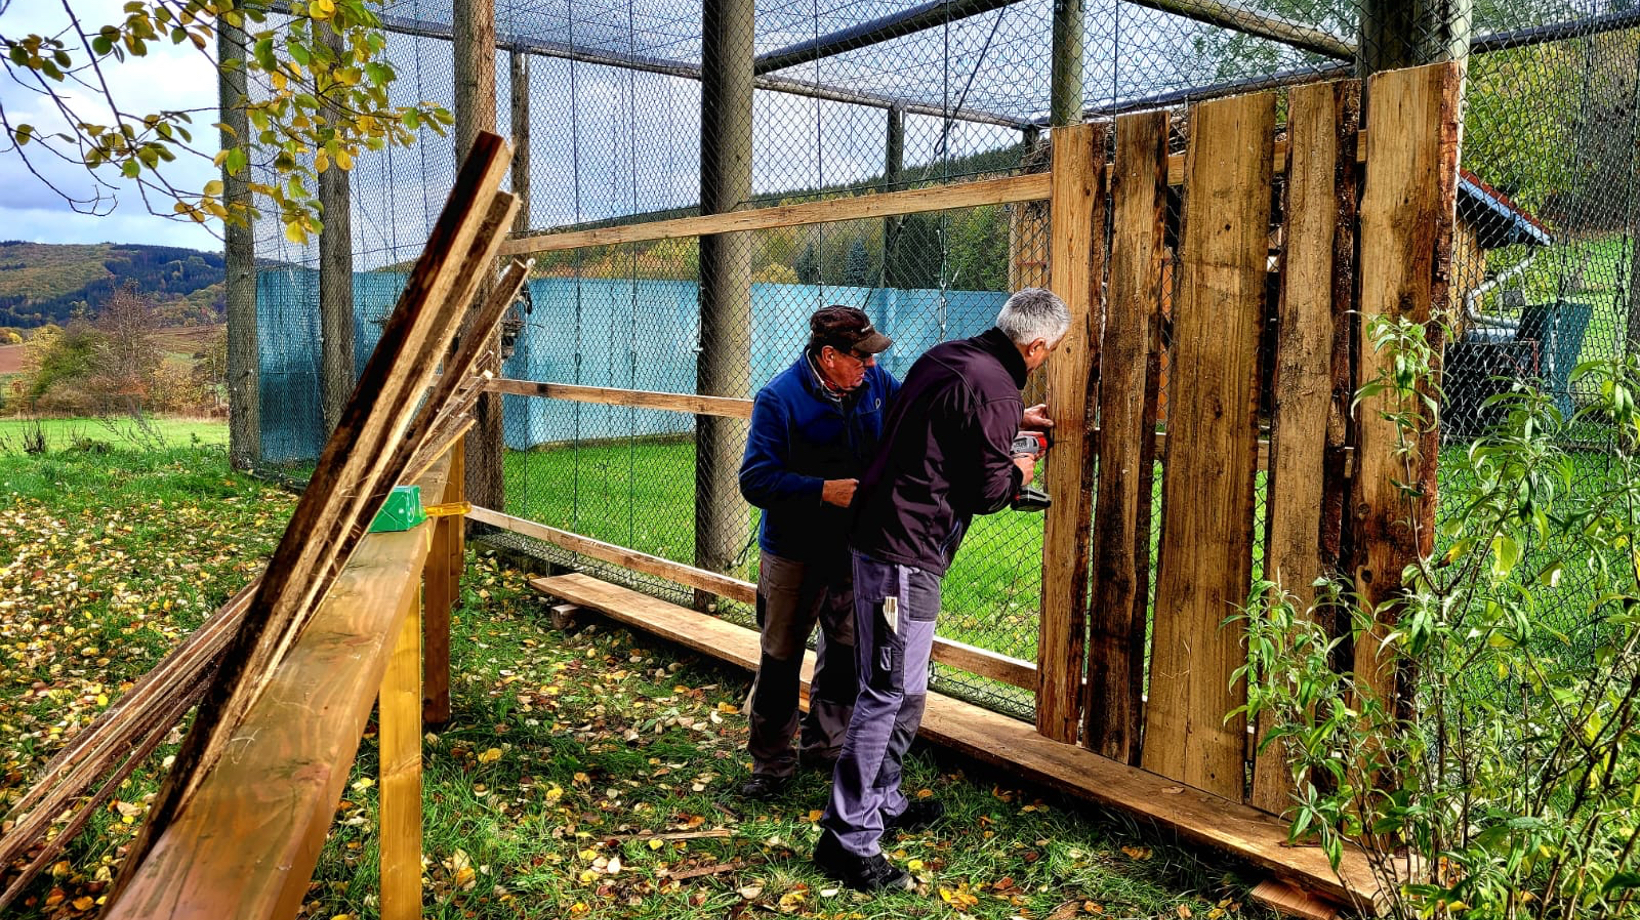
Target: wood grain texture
[1309,316]
[1205,569]
[1407,213]
[1127,423]
[883,204]
[439,598]
[1076,217]
[974,660]
[245,844]
[1015,746]
[353,475]
[1289,901]
[722,406]
[399,736]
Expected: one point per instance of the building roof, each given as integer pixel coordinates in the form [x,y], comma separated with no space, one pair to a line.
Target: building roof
[1497,220]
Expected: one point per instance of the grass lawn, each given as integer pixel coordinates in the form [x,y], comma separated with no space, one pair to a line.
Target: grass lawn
[568,752]
[121,432]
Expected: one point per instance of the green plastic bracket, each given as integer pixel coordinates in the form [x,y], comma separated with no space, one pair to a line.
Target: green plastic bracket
[401,512]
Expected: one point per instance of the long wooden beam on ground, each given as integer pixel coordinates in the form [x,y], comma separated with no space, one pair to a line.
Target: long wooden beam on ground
[982,662]
[246,843]
[1196,816]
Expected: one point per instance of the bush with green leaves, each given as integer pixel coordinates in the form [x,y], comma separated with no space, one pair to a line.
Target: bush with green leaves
[1507,783]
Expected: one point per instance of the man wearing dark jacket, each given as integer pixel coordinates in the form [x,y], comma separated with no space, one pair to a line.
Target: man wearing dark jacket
[945,458]
[813,429]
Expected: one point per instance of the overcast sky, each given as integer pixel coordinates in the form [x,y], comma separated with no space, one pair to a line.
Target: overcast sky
[170,77]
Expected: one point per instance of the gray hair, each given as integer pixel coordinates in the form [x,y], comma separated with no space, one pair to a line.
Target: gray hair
[1034,313]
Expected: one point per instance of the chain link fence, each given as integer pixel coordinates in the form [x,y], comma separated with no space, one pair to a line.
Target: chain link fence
[890,94]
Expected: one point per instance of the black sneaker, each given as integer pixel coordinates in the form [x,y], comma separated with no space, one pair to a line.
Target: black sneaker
[918,816]
[764,786]
[869,874]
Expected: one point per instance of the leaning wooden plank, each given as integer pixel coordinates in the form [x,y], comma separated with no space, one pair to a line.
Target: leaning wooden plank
[1309,316]
[979,661]
[1120,567]
[1407,213]
[167,714]
[353,474]
[1076,262]
[178,679]
[1205,569]
[883,204]
[1014,745]
[245,844]
[724,406]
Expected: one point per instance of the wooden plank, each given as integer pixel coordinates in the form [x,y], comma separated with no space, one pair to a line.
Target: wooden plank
[1304,404]
[722,406]
[354,473]
[246,843]
[1031,187]
[1289,901]
[1278,158]
[1120,565]
[978,661]
[1076,216]
[1205,570]
[1014,745]
[1407,213]
[399,736]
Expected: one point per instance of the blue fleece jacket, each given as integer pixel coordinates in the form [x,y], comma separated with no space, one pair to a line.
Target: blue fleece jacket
[800,437]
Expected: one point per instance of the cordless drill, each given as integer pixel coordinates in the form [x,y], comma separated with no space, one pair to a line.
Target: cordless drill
[1030,444]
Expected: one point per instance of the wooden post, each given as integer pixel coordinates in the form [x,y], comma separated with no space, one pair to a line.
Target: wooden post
[1127,424]
[1305,488]
[473,42]
[893,171]
[399,732]
[1065,88]
[441,589]
[724,363]
[1407,213]
[239,253]
[1405,33]
[1076,212]
[336,363]
[518,69]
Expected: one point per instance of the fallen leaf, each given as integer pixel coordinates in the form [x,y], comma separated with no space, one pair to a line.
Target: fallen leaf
[750,892]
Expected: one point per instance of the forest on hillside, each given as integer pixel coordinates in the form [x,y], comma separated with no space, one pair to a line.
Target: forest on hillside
[43,283]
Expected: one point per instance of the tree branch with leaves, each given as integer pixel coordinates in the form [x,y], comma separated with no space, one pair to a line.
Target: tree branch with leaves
[314,104]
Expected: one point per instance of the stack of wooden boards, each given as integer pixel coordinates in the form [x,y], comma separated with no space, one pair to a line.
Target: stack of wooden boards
[403,415]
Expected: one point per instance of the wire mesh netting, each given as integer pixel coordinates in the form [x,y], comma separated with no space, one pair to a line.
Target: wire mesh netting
[871,96]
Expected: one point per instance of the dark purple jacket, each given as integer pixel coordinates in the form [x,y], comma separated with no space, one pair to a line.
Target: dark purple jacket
[944,455]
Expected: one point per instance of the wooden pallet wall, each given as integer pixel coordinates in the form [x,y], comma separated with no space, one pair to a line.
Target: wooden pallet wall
[1297,199]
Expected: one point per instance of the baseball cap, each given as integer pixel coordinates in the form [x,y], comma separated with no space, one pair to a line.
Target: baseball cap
[846,329]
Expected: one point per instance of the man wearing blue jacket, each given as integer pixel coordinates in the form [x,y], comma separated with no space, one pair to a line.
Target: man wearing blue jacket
[814,428]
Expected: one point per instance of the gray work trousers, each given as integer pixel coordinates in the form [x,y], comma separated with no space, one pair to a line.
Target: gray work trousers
[792,597]
[894,607]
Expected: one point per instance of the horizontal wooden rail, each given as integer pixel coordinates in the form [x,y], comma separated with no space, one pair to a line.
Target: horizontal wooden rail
[964,657]
[246,844]
[1031,187]
[723,406]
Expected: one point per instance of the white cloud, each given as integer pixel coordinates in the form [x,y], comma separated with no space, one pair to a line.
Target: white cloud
[170,77]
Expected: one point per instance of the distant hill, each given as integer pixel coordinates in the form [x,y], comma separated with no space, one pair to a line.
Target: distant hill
[47,283]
